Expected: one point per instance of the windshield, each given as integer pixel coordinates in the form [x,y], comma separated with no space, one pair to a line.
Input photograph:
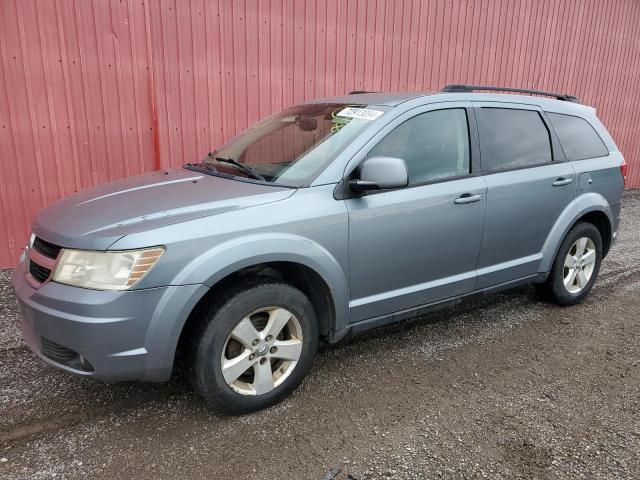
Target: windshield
[292,147]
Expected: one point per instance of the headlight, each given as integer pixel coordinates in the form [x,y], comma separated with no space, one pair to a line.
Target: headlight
[105,270]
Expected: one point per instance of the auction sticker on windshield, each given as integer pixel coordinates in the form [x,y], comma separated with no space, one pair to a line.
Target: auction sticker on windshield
[361,113]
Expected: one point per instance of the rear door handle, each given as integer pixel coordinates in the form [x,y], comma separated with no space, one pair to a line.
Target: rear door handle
[467,198]
[562,181]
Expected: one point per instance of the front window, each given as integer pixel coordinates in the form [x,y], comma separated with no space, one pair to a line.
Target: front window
[434,145]
[292,147]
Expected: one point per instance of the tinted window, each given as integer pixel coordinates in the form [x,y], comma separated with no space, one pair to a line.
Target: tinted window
[578,138]
[512,138]
[434,145]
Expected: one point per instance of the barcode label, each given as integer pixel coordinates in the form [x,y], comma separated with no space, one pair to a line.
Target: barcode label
[361,113]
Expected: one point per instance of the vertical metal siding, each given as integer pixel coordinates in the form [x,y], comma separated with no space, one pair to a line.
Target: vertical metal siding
[95,90]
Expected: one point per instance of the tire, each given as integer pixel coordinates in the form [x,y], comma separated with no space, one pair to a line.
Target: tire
[225,341]
[575,290]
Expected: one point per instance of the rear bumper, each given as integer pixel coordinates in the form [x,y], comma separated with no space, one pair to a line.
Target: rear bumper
[616,211]
[130,335]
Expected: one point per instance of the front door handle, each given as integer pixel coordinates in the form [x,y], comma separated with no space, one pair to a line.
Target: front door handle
[467,198]
[562,181]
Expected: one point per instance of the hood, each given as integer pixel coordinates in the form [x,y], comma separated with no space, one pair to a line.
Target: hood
[97,217]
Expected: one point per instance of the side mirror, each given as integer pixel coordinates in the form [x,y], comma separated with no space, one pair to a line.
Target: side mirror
[378,173]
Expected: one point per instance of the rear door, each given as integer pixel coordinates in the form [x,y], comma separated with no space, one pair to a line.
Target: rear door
[529,184]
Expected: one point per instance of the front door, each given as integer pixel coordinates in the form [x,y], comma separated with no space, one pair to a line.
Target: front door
[420,244]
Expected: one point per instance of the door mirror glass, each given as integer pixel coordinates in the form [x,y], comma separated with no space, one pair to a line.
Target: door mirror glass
[378,173]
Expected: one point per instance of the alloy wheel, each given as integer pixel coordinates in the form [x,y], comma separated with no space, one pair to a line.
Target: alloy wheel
[261,351]
[579,265]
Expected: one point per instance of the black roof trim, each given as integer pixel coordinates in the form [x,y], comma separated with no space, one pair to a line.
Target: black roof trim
[356,92]
[453,88]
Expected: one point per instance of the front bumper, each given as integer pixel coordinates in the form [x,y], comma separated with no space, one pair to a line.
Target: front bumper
[126,335]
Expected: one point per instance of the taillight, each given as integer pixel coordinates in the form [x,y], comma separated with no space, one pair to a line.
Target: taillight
[623,170]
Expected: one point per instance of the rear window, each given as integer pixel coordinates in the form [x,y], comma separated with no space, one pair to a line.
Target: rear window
[512,138]
[578,138]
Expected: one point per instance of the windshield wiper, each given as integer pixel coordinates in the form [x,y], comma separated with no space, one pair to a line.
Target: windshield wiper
[199,166]
[252,172]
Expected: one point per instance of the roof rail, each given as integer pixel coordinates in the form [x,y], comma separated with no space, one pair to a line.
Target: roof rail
[355,92]
[470,88]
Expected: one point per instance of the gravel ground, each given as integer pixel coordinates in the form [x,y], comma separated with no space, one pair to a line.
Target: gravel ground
[505,387]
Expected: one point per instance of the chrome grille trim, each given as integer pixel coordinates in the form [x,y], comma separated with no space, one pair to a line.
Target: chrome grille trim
[40,259]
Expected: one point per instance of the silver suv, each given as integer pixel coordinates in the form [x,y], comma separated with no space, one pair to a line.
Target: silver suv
[331,217]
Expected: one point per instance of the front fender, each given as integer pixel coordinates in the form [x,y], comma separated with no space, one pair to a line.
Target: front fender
[229,257]
[580,206]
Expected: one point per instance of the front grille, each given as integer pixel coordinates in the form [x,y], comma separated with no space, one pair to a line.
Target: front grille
[47,249]
[42,259]
[38,272]
[64,355]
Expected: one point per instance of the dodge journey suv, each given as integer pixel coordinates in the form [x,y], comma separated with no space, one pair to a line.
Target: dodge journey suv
[331,217]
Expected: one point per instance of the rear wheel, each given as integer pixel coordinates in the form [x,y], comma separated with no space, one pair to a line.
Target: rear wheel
[254,346]
[576,266]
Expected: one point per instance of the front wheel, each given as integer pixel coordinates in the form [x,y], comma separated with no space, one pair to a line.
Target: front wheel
[254,346]
[576,266]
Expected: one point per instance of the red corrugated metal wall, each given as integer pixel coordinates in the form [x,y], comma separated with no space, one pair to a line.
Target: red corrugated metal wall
[95,90]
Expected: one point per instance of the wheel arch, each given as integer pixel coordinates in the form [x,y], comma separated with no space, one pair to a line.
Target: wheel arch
[602,223]
[304,264]
[298,275]
[590,207]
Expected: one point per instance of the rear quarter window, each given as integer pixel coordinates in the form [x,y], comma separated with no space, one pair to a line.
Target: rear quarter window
[578,138]
[511,138]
